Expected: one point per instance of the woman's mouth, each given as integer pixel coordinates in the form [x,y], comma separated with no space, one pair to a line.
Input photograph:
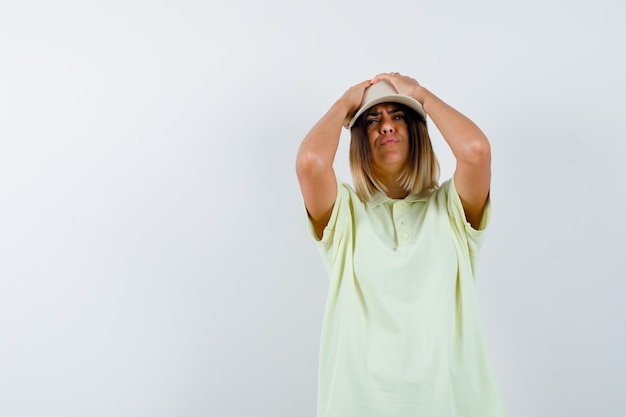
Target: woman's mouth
[388,140]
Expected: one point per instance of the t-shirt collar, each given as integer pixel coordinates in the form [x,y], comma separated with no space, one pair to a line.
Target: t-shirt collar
[380,198]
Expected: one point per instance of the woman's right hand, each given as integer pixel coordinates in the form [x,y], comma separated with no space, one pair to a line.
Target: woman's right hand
[352,99]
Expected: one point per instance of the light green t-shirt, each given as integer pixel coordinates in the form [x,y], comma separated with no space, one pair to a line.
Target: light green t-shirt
[402,332]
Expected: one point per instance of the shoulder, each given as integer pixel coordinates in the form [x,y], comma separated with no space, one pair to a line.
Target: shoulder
[448,195]
[347,195]
[445,193]
[344,207]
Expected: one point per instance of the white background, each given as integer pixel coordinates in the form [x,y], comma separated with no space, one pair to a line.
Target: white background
[154,259]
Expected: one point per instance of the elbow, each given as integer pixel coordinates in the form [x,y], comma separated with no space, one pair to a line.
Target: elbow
[478,152]
[310,164]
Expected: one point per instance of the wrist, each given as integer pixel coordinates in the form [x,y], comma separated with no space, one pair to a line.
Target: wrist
[343,111]
[419,93]
[344,104]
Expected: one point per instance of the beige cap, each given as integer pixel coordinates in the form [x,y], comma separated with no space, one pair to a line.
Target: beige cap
[383,92]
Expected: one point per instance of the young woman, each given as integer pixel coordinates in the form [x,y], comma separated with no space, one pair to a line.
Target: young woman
[401,333]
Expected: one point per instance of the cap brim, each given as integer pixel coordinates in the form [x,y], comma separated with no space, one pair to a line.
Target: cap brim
[410,102]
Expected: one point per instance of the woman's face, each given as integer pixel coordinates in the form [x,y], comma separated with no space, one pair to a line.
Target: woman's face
[388,135]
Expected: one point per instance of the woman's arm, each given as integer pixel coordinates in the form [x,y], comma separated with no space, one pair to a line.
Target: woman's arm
[314,162]
[468,143]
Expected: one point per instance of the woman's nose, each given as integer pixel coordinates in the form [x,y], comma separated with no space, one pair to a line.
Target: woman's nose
[386,126]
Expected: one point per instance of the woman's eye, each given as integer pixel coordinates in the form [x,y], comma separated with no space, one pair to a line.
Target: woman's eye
[371,121]
[400,117]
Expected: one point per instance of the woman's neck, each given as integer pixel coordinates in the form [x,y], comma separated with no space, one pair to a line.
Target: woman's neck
[396,192]
[393,189]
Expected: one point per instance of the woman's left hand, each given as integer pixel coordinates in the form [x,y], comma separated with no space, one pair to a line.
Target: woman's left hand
[403,84]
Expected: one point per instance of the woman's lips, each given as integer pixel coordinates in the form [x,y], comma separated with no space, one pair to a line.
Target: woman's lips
[388,140]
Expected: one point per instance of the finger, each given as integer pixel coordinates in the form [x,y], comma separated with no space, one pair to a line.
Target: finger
[388,76]
[365,83]
[359,87]
[382,76]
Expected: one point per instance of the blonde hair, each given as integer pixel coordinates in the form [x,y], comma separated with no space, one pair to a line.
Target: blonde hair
[422,167]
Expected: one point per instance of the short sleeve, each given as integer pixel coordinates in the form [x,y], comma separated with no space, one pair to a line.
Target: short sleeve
[335,246]
[473,236]
[339,208]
